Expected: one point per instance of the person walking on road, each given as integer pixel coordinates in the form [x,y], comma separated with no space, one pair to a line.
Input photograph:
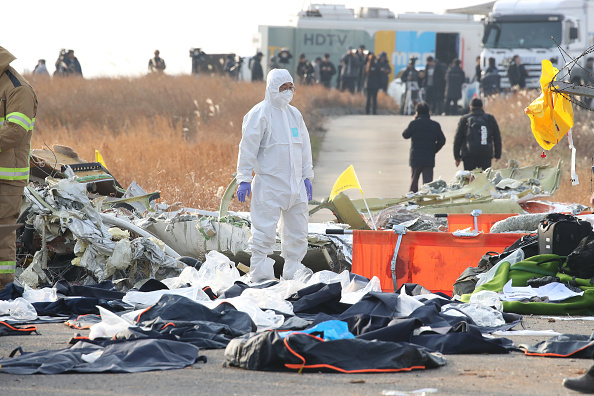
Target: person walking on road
[477,139]
[427,139]
[18,110]
[275,145]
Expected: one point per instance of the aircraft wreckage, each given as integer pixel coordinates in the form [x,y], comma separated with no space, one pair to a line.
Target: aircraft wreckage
[82,226]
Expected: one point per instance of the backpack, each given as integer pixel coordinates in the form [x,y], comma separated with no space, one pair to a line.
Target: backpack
[580,262]
[560,233]
[528,243]
[478,136]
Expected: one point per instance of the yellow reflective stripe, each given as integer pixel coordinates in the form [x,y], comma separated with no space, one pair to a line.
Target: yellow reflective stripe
[20,119]
[14,174]
[7,267]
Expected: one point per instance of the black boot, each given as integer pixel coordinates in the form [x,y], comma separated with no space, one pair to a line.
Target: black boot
[584,384]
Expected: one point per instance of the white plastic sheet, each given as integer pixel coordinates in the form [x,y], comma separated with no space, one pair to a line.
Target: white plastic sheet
[217,271]
[146,299]
[264,320]
[110,325]
[19,308]
[47,294]
[481,315]
[352,297]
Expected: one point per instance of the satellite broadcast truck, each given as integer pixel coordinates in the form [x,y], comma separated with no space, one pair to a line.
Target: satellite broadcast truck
[532,29]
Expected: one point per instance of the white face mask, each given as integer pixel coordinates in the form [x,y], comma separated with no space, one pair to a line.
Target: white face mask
[281,99]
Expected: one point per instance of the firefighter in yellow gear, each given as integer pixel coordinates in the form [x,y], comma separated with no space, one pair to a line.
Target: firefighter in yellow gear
[18,107]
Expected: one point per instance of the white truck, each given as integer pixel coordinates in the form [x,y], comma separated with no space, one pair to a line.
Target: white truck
[525,28]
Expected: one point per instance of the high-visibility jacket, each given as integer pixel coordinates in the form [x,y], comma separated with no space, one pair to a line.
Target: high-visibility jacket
[18,107]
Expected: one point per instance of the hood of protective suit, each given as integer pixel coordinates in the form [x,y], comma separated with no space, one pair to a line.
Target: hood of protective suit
[5,59]
[276,78]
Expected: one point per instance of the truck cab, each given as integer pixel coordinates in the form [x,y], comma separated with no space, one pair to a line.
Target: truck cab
[536,30]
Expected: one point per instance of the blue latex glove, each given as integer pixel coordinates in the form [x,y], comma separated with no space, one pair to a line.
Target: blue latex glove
[309,189]
[244,189]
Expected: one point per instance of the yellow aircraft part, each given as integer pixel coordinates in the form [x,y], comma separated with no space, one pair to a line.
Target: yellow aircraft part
[551,114]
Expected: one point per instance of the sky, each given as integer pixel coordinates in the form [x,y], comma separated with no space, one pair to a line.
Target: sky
[118,37]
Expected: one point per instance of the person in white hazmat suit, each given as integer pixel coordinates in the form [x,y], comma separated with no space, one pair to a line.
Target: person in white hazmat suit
[275,145]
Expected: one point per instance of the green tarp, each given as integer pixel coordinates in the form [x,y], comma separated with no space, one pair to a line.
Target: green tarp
[539,266]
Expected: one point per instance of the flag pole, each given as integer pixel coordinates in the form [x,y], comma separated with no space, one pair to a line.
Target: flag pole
[368,211]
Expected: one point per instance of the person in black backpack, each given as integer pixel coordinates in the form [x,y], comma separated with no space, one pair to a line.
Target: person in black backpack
[477,139]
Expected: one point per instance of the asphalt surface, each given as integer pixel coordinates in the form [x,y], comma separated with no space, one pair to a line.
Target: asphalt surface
[379,154]
[510,374]
[374,145]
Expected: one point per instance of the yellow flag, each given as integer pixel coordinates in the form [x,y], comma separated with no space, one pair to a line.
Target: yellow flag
[346,181]
[99,158]
[551,114]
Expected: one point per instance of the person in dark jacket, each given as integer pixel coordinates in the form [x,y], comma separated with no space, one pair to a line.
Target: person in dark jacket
[435,82]
[454,79]
[477,69]
[517,73]
[327,71]
[477,156]
[426,140]
[490,80]
[256,67]
[372,83]
[385,69]
[72,64]
[351,67]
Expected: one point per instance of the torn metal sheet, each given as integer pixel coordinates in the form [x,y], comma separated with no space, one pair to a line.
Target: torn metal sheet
[491,191]
[62,210]
[56,163]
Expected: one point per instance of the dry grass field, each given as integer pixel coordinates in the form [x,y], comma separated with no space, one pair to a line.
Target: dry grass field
[178,135]
[519,143]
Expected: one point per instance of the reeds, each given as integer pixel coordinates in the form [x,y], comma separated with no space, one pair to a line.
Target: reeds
[178,135]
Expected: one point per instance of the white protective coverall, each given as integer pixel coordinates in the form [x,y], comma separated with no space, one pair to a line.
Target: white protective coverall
[275,145]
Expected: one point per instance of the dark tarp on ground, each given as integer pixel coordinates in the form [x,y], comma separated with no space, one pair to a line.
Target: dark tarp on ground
[175,308]
[11,292]
[83,321]
[318,298]
[118,357]
[450,334]
[238,288]
[104,290]
[78,306]
[269,352]
[563,345]
[7,329]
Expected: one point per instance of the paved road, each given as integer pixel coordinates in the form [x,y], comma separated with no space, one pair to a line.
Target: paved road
[500,375]
[375,147]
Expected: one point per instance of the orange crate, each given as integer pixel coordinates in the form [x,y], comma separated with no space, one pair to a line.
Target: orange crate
[431,259]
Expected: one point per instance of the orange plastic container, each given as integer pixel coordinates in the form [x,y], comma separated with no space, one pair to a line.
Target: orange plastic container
[431,259]
[459,221]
